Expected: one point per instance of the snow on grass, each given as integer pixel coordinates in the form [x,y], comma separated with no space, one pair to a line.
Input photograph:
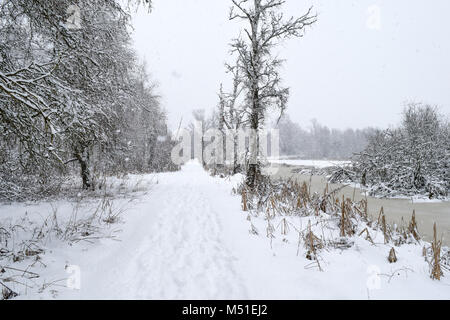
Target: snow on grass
[350,267]
[187,238]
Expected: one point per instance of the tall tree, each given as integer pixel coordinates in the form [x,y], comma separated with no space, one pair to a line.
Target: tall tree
[266,27]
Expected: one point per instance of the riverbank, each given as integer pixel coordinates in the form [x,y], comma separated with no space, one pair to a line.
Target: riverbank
[427,213]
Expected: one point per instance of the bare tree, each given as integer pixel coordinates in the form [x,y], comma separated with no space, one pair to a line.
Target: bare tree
[266,27]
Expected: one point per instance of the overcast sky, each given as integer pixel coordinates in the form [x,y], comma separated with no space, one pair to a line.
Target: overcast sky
[351,69]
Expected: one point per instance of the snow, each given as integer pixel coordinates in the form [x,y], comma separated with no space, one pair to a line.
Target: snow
[310,163]
[422,199]
[187,238]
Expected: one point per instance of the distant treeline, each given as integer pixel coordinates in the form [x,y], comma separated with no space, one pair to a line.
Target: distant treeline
[320,142]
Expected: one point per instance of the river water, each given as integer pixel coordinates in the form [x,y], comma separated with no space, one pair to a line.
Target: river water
[427,213]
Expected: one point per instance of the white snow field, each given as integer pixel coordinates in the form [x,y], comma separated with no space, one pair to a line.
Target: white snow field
[187,238]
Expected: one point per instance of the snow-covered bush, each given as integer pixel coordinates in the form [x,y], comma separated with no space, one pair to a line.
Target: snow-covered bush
[409,160]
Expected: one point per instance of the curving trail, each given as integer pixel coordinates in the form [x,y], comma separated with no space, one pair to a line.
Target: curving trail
[172,246]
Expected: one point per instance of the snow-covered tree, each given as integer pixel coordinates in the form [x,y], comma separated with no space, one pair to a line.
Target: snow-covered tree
[259,68]
[412,159]
[71,91]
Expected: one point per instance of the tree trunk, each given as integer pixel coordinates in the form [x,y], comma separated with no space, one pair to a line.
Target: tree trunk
[254,170]
[83,160]
[236,166]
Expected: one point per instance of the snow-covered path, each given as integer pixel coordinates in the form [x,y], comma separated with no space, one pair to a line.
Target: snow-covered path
[189,239]
[171,246]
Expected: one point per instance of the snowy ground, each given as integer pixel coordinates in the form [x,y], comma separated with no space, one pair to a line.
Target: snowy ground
[187,238]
